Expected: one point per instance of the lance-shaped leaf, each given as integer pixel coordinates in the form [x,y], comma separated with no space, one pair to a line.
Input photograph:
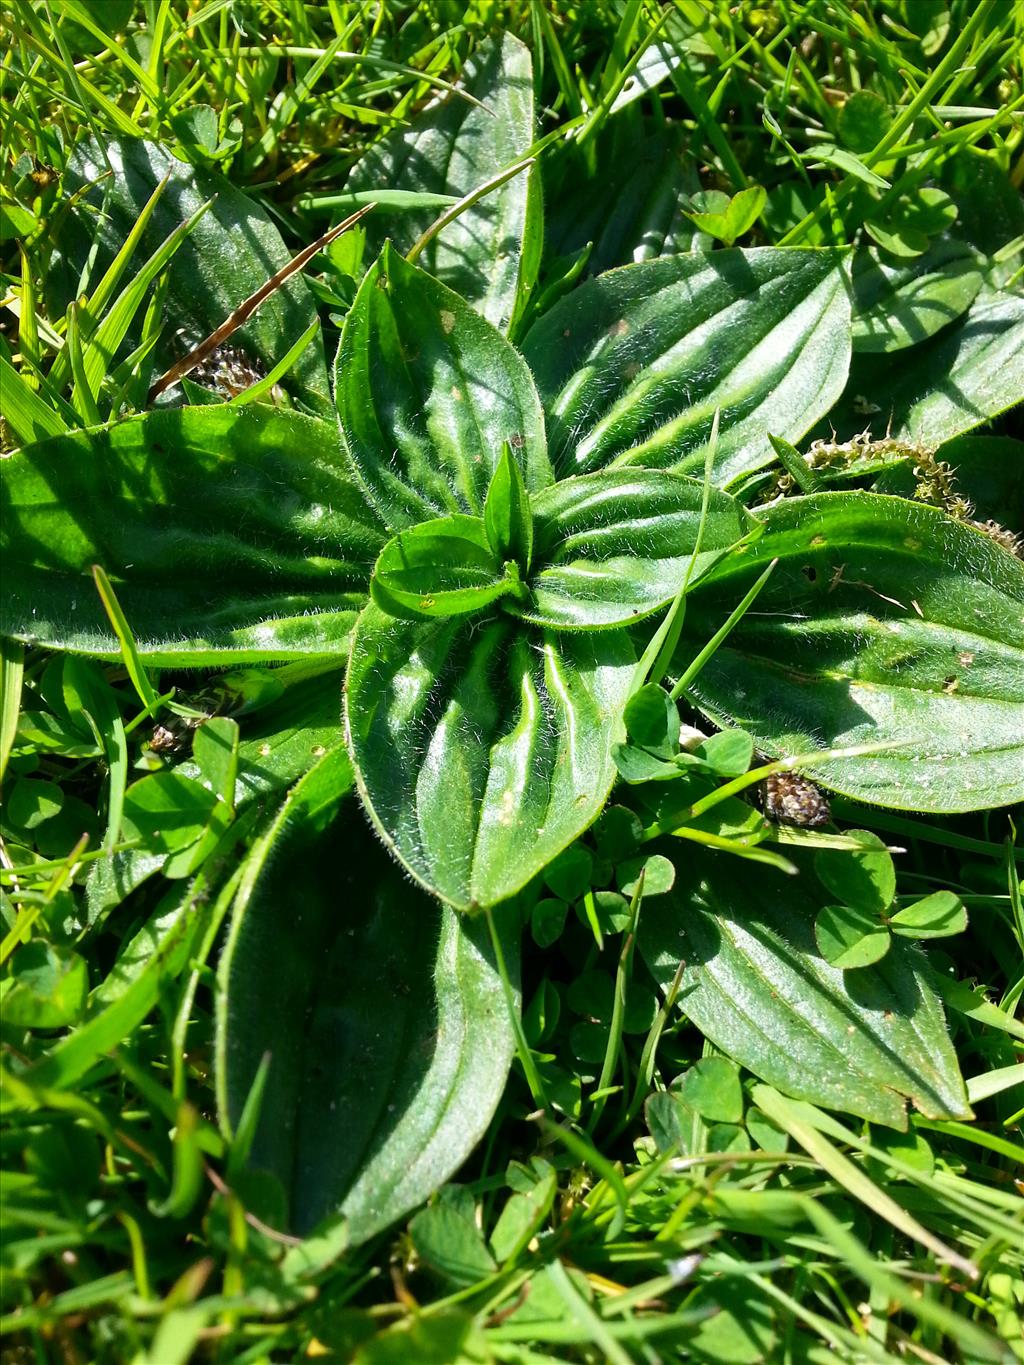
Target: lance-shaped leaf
[885,621]
[508,518]
[428,393]
[482,749]
[232,250]
[756,985]
[898,303]
[383,1016]
[444,567]
[228,534]
[633,365]
[614,547]
[949,384]
[451,148]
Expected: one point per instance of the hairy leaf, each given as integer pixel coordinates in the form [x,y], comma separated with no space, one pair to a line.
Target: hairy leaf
[885,621]
[632,365]
[756,985]
[451,147]
[428,393]
[614,547]
[482,749]
[228,533]
[232,250]
[383,1015]
[950,383]
[444,567]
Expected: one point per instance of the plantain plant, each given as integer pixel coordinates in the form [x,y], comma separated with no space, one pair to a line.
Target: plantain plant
[545,513]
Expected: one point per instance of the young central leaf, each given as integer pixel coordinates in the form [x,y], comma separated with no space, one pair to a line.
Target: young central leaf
[444,567]
[508,519]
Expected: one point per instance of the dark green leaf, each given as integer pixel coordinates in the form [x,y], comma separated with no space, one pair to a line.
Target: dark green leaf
[611,548]
[863,121]
[507,514]
[46,988]
[652,721]
[33,800]
[429,393]
[727,754]
[547,920]
[620,200]
[633,365]
[756,986]
[936,916]
[848,938]
[230,253]
[451,1244]
[215,750]
[167,810]
[482,752]
[569,874]
[897,304]
[884,621]
[443,567]
[908,225]
[228,533]
[387,1025]
[451,148]
[866,881]
[948,384]
[711,1088]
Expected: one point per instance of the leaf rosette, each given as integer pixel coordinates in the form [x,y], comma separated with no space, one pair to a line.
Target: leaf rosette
[489,670]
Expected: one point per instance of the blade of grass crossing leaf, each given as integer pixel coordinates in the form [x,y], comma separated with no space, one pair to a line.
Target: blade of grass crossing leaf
[523,1049]
[83,399]
[597,118]
[248,1121]
[584,1151]
[788,1116]
[467,201]
[129,650]
[114,325]
[968,1335]
[966,1132]
[657,657]
[97,301]
[264,385]
[12,669]
[28,331]
[24,411]
[723,845]
[249,306]
[623,971]
[200,955]
[735,616]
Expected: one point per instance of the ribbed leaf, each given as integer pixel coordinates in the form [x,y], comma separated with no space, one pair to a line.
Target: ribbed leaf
[382,1013]
[228,533]
[233,250]
[899,303]
[949,384]
[482,749]
[884,620]
[757,987]
[632,365]
[451,148]
[614,547]
[444,567]
[428,393]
